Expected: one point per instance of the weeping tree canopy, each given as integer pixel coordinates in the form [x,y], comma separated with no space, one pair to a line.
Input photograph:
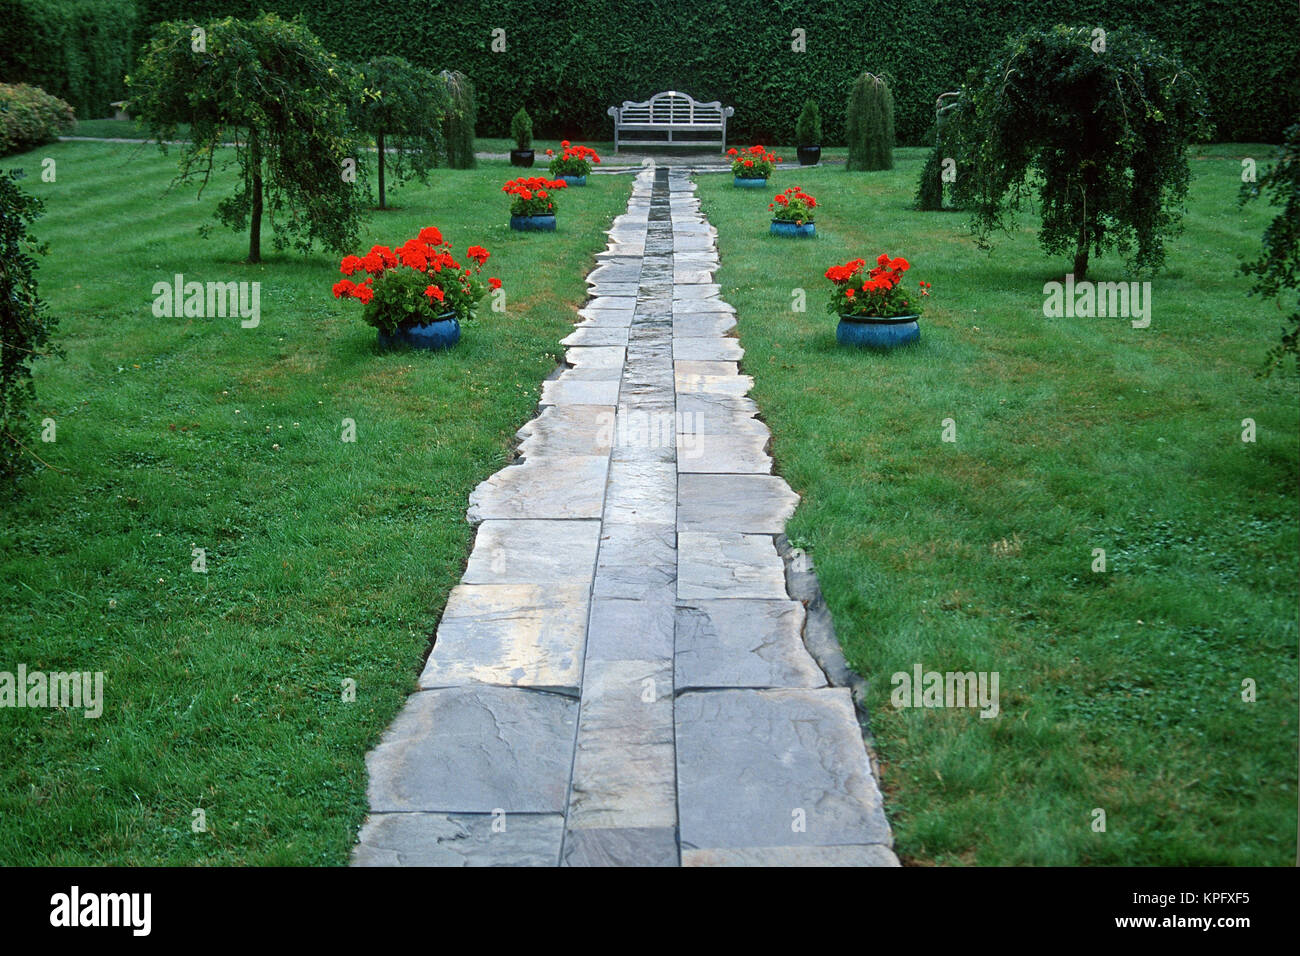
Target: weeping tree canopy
[1097,125]
[460,120]
[1277,269]
[870,124]
[402,106]
[271,89]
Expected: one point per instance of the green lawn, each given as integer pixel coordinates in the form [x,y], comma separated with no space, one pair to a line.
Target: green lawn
[326,560]
[1119,690]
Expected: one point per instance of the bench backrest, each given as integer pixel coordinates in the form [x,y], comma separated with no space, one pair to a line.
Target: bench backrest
[671,108]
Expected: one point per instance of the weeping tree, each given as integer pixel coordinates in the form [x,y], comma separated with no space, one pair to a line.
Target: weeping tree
[1278,266]
[271,89]
[458,125]
[401,106]
[870,124]
[1097,126]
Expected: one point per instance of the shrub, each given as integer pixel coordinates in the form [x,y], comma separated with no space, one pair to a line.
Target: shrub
[808,128]
[25,327]
[521,129]
[1278,266]
[77,50]
[269,86]
[458,127]
[402,107]
[869,123]
[1103,135]
[30,117]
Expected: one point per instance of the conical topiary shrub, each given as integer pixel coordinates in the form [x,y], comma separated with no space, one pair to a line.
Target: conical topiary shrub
[870,124]
[808,128]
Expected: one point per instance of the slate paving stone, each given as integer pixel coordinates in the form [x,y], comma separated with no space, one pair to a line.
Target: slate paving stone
[635,555]
[532,551]
[622,846]
[614,289]
[694,306]
[755,504]
[565,430]
[621,629]
[707,349]
[460,839]
[596,335]
[609,303]
[705,367]
[754,764]
[725,564]
[710,413]
[571,486]
[639,491]
[873,855]
[690,275]
[475,750]
[722,454]
[719,384]
[602,356]
[706,324]
[624,772]
[518,635]
[571,391]
[743,643]
[702,291]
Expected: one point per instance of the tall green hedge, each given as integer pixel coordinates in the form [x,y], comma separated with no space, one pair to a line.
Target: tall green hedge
[77,50]
[567,61]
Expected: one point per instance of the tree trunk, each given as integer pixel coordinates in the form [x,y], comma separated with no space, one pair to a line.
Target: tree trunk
[255,214]
[379,142]
[1081,254]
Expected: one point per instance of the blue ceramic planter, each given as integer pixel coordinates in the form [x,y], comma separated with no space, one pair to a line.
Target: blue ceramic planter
[442,334]
[744,182]
[783,227]
[875,333]
[575,180]
[533,223]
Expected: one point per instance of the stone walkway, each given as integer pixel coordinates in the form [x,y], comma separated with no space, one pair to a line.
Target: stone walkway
[621,676]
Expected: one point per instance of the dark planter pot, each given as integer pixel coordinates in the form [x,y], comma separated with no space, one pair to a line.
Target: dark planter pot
[809,155]
[783,227]
[521,157]
[533,223]
[574,180]
[746,182]
[875,333]
[442,334]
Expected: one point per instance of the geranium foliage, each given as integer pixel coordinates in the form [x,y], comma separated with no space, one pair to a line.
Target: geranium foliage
[271,89]
[416,283]
[1093,126]
[877,292]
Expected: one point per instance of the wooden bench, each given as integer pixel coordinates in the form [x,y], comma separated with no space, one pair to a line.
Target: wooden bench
[670,112]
